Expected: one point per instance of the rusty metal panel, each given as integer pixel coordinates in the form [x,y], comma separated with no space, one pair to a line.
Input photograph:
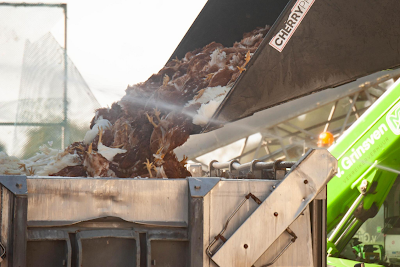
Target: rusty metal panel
[62,201]
[284,205]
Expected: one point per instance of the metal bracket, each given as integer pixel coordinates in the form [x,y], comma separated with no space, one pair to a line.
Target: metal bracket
[254,173]
[16,184]
[279,172]
[256,199]
[212,170]
[231,169]
[220,235]
[199,187]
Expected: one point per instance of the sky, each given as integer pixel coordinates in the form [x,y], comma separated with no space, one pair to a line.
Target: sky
[123,43]
[119,43]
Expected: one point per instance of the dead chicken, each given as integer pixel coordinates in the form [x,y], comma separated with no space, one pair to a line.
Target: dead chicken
[137,135]
[96,165]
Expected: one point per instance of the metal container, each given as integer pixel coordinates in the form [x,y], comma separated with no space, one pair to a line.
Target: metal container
[58,221]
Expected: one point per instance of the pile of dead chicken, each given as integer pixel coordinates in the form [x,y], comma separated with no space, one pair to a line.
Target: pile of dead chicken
[137,135]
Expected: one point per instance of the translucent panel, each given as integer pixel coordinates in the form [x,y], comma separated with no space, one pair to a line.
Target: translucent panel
[44,99]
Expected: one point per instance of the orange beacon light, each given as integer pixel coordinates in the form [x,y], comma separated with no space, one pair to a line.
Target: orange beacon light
[325,139]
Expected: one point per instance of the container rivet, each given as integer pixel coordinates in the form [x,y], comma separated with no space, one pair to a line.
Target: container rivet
[197,187]
[246,246]
[275,214]
[305,181]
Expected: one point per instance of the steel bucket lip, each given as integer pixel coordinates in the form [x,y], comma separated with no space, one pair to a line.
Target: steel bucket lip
[319,66]
[225,22]
[210,27]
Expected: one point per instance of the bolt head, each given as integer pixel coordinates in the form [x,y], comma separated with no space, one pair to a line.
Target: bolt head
[197,187]
[246,246]
[275,214]
[305,181]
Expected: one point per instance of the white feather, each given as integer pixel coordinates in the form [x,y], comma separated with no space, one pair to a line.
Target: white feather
[218,58]
[108,152]
[91,134]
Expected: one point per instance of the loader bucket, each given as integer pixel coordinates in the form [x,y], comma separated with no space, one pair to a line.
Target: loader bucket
[312,45]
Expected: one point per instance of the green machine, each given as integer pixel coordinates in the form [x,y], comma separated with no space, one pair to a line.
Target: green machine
[336,43]
[363,204]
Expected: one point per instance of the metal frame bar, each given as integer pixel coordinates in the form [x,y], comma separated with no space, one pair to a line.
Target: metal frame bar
[32,4]
[369,96]
[196,232]
[281,142]
[65,128]
[318,227]
[39,124]
[352,104]
[333,109]
[310,140]
[379,88]
[14,222]
[300,129]
[19,228]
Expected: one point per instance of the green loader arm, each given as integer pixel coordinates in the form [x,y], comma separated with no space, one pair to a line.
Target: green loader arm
[367,153]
